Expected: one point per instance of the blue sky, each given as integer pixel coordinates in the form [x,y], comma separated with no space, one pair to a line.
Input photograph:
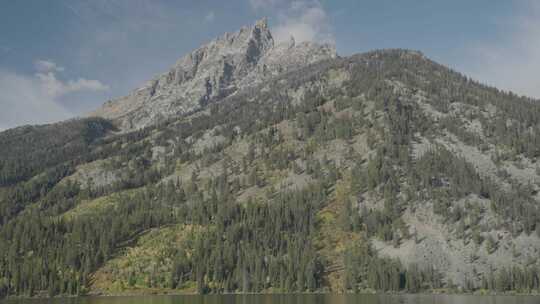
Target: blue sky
[61,58]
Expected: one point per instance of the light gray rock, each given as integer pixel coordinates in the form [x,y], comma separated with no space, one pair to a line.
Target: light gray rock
[216,70]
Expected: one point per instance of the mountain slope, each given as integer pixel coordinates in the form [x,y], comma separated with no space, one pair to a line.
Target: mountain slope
[380,171]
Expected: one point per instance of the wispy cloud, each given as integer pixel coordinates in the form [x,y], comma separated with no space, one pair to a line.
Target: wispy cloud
[45,66]
[54,87]
[134,31]
[5,49]
[305,20]
[23,102]
[30,99]
[265,4]
[513,62]
[210,17]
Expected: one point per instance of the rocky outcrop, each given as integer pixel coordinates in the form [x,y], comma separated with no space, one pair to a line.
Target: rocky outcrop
[210,73]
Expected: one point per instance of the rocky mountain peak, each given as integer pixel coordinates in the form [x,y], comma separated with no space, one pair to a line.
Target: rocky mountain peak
[217,69]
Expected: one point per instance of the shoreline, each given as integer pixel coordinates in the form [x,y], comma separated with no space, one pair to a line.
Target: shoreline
[147,293]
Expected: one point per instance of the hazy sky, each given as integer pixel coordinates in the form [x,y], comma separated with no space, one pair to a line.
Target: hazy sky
[61,58]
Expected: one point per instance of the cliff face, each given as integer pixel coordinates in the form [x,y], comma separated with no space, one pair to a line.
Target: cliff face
[218,69]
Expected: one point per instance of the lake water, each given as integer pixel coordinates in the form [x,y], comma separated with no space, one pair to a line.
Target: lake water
[290,299]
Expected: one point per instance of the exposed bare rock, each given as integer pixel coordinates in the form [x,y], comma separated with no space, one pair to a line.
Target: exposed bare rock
[212,72]
[94,175]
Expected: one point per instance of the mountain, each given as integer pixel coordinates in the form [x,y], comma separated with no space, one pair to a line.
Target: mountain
[254,167]
[214,71]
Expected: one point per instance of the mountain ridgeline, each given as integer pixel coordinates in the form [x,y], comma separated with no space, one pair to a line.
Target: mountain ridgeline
[253,166]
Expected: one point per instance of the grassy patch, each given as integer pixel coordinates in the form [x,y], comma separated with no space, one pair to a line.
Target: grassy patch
[90,207]
[147,266]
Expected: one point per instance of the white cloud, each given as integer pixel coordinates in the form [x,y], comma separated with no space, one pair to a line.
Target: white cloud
[23,102]
[35,99]
[513,62]
[210,17]
[45,66]
[54,87]
[305,20]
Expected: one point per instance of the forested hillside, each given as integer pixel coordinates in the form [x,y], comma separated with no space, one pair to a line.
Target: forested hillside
[382,171]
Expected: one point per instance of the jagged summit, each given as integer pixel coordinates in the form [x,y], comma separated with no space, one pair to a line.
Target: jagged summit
[217,69]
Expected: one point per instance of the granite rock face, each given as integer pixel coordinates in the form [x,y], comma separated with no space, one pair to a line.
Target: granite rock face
[216,70]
